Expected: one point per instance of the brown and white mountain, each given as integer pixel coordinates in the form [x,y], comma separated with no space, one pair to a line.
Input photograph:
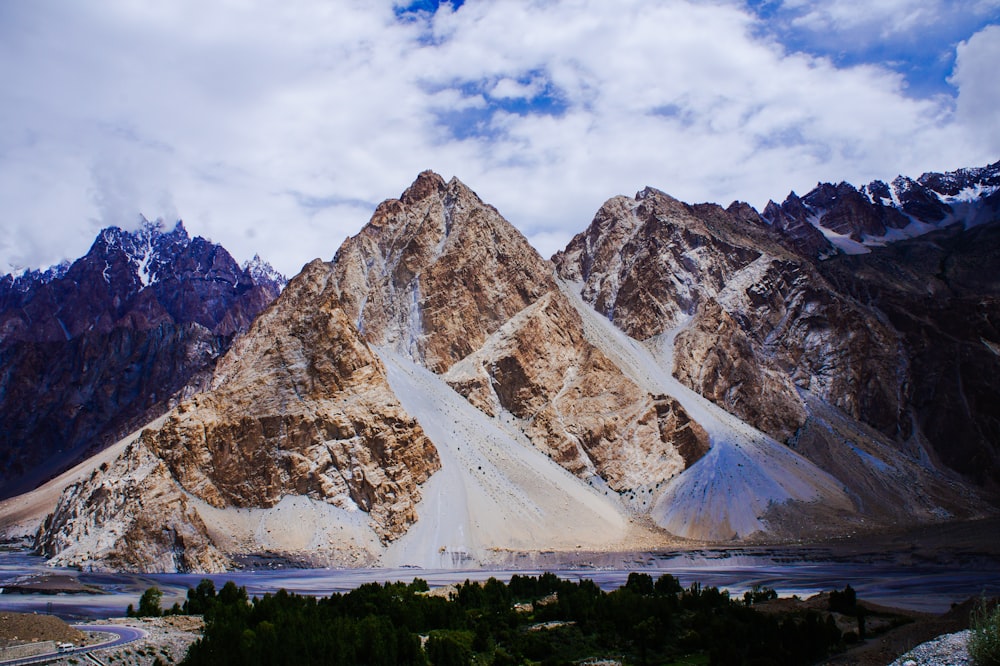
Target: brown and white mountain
[441,395]
[441,278]
[300,407]
[91,350]
[760,331]
[757,321]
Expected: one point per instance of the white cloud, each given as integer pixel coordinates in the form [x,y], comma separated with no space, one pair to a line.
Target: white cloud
[884,17]
[866,19]
[979,87]
[277,128]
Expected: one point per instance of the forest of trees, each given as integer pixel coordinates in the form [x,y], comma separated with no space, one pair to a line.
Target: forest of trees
[531,620]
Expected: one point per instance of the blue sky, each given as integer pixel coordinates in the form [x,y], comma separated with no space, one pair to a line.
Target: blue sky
[916,39]
[276,127]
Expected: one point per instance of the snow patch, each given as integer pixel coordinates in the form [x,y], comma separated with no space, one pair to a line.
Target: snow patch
[970,194]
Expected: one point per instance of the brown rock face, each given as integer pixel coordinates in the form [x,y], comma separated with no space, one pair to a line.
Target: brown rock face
[575,403]
[716,358]
[129,516]
[299,407]
[440,276]
[436,272]
[649,262]
[626,255]
[828,343]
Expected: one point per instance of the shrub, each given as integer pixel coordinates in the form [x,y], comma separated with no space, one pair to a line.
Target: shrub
[845,602]
[984,643]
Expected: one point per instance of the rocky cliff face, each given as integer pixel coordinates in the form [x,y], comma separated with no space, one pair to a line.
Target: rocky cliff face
[441,277]
[574,402]
[934,290]
[437,271]
[299,407]
[759,320]
[102,345]
[942,293]
[129,516]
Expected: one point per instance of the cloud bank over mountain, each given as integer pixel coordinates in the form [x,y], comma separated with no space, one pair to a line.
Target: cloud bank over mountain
[277,128]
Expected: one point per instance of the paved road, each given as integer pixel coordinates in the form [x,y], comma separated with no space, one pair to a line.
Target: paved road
[118,635]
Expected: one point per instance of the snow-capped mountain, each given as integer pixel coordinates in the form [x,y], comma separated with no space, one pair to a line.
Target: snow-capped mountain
[262,272]
[441,395]
[99,346]
[834,219]
[26,280]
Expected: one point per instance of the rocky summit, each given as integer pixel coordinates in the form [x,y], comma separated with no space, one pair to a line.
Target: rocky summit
[440,395]
[101,346]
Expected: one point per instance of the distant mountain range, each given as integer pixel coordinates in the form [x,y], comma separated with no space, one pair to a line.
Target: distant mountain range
[441,395]
[93,349]
[833,219]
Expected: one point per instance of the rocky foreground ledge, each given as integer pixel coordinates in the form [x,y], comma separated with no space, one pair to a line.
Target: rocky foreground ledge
[950,650]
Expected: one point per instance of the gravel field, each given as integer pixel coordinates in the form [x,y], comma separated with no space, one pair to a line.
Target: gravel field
[947,650]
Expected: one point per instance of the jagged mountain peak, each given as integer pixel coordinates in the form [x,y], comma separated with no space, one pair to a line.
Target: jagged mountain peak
[964,184]
[432,262]
[426,184]
[842,219]
[262,271]
[24,280]
[144,314]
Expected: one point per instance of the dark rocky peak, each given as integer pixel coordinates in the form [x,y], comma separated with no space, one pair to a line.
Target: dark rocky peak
[744,212]
[262,272]
[853,220]
[14,286]
[791,220]
[847,211]
[103,345]
[975,181]
[156,253]
[149,248]
[919,201]
[136,279]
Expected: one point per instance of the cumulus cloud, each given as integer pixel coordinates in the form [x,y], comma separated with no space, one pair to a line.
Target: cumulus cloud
[976,78]
[277,129]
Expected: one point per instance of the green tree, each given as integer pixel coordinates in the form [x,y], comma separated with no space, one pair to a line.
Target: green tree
[640,583]
[201,598]
[149,603]
[667,585]
[444,650]
[844,602]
